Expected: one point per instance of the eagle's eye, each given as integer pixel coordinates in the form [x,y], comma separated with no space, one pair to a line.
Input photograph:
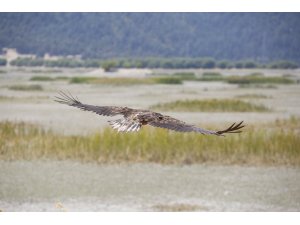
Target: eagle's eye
[160,117]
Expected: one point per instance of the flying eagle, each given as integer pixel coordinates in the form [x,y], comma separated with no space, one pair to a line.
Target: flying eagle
[134,119]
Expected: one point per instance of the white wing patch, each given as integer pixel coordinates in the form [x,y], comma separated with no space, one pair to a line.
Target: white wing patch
[123,125]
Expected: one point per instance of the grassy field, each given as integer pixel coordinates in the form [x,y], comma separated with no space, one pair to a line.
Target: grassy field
[210,105]
[268,144]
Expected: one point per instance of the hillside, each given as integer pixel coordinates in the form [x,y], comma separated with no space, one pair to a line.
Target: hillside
[232,36]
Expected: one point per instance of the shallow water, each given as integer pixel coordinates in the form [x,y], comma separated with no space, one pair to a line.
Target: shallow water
[41,185]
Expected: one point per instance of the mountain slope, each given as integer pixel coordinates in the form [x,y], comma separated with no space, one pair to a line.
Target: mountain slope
[261,36]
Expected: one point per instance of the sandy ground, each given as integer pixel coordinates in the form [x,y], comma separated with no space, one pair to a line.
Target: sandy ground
[41,185]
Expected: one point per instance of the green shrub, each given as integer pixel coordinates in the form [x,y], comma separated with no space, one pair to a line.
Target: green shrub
[3,62]
[224,64]
[283,65]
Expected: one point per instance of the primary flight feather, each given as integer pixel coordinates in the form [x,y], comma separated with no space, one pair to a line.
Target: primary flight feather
[134,119]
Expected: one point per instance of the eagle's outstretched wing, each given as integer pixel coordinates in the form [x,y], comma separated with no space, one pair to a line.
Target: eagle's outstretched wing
[68,99]
[180,126]
[134,118]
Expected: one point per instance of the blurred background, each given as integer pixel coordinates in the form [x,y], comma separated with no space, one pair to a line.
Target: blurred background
[207,69]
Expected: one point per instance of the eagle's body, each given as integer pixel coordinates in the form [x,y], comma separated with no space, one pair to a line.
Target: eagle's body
[134,119]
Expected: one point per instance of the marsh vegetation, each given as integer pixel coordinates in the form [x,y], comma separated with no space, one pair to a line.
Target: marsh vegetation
[210,105]
[51,153]
[30,87]
[126,81]
[277,145]
[253,96]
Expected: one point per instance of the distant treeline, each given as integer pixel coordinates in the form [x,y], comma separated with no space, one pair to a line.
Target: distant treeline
[170,63]
[3,62]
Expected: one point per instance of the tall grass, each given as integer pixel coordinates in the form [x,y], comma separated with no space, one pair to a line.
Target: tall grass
[275,144]
[210,105]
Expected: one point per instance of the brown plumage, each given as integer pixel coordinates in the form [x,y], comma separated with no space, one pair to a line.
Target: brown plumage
[134,119]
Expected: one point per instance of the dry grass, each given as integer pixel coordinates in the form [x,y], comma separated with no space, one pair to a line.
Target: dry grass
[273,144]
[253,96]
[210,105]
[253,80]
[45,71]
[108,81]
[6,98]
[41,78]
[47,78]
[32,87]
[258,79]
[123,81]
[258,86]
[212,77]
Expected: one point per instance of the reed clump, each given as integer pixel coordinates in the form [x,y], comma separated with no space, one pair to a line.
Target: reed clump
[48,78]
[126,80]
[258,79]
[251,79]
[275,144]
[212,76]
[31,87]
[168,80]
[109,81]
[253,96]
[210,105]
[41,78]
